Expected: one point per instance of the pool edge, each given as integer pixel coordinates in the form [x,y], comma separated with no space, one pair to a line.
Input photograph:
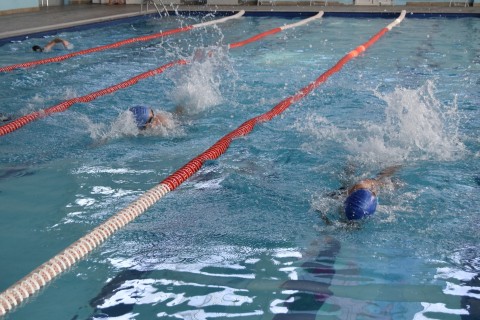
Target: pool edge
[134,13]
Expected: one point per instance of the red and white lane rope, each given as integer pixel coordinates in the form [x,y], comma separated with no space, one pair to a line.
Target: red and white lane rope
[41,276]
[273,31]
[24,120]
[119,43]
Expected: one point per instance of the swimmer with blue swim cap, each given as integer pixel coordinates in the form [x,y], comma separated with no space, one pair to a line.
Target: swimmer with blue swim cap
[145,118]
[362,199]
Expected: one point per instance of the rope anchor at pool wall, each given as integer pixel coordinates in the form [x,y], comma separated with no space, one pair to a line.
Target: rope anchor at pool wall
[33,282]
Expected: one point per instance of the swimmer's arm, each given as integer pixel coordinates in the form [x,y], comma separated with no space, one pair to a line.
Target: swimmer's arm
[387,172]
[378,181]
[50,45]
[67,44]
[369,184]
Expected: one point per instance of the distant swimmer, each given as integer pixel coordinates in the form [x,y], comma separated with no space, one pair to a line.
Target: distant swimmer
[145,118]
[48,47]
[362,199]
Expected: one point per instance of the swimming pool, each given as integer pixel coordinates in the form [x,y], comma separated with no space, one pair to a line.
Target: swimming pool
[229,242]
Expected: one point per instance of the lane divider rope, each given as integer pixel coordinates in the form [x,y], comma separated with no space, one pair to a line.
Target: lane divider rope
[24,120]
[275,30]
[119,43]
[21,290]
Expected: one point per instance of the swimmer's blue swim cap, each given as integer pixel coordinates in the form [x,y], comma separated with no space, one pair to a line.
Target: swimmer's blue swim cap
[359,204]
[141,115]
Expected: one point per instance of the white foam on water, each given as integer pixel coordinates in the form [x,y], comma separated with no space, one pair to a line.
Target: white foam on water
[94,170]
[124,125]
[437,308]
[417,127]
[198,87]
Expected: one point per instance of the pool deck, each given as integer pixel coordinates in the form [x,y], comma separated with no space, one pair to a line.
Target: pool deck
[55,19]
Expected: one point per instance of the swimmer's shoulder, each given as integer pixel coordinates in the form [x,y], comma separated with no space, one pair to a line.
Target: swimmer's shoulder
[367,184]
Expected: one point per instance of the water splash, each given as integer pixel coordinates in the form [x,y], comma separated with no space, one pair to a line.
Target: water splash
[124,125]
[197,88]
[417,127]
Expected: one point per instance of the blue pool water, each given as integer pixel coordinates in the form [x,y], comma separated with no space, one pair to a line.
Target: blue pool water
[255,234]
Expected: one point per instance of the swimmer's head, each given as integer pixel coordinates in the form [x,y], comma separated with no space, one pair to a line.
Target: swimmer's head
[142,115]
[360,204]
[37,48]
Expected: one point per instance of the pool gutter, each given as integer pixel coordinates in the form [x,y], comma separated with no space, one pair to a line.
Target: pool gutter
[17,27]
